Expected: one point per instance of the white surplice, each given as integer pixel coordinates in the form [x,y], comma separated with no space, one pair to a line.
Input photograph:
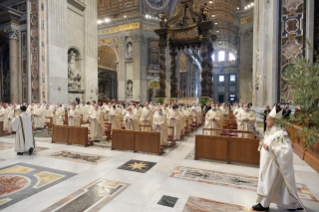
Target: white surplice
[73,121]
[24,135]
[131,122]
[58,116]
[272,188]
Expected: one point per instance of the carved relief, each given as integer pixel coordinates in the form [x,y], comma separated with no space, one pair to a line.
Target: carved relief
[35,56]
[292,49]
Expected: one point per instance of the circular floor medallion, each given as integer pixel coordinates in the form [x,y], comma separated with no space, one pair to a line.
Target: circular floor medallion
[12,183]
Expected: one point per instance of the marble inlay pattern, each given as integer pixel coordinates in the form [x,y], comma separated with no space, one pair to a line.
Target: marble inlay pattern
[80,157]
[205,205]
[4,145]
[168,201]
[91,198]
[20,181]
[231,180]
[45,178]
[137,166]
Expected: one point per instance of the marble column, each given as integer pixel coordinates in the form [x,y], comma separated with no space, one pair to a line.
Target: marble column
[162,44]
[13,36]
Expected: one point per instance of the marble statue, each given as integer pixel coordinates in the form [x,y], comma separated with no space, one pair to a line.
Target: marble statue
[129,54]
[73,72]
[129,88]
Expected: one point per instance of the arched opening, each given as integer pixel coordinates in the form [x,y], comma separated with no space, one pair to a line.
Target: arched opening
[107,77]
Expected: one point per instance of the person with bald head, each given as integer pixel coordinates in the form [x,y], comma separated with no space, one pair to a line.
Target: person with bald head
[131,121]
[160,125]
[243,118]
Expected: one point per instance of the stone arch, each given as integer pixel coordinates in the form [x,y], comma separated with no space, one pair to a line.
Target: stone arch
[107,57]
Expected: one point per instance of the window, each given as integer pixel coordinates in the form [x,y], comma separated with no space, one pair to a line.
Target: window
[232,97]
[231,57]
[232,78]
[221,78]
[221,56]
[213,57]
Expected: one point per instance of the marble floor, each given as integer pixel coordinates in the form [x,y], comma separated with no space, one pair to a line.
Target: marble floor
[61,177]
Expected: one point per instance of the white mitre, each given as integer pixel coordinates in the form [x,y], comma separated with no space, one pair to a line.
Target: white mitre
[274,115]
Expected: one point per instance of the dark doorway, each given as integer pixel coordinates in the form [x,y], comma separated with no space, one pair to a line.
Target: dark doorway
[220,98]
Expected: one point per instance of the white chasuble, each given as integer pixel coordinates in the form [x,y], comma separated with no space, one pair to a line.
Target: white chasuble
[58,116]
[173,118]
[245,125]
[146,117]
[160,125]
[213,124]
[73,118]
[38,117]
[131,122]
[273,185]
[96,124]
[24,135]
[115,118]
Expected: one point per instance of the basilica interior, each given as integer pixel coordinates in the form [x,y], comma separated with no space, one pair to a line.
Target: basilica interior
[122,97]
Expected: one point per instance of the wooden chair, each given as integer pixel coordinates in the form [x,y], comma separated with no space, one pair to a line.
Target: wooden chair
[49,124]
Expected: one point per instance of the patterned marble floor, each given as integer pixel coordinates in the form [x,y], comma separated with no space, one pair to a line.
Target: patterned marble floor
[60,177]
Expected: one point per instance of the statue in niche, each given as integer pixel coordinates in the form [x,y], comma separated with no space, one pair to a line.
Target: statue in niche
[73,72]
[129,53]
[129,88]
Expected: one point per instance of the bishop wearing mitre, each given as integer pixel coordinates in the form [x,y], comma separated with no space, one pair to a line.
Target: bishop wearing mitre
[214,120]
[96,123]
[22,124]
[160,125]
[146,116]
[73,116]
[276,183]
[243,124]
[130,120]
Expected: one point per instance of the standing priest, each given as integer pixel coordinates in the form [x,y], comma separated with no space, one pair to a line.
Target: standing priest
[22,124]
[243,118]
[160,125]
[276,182]
[214,120]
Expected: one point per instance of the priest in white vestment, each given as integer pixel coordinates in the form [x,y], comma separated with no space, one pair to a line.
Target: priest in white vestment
[96,123]
[182,122]
[243,124]
[58,116]
[115,118]
[48,113]
[131,122]
[213,120]
[38,117]
[146,116]
[22,124]
[160,125]
[2,113]
[276,185]
[173,118]
[73,116]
